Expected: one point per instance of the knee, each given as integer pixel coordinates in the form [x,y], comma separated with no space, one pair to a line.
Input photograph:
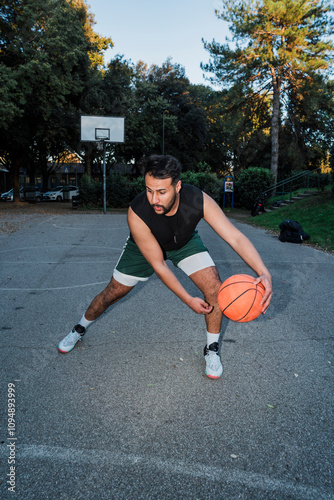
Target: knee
[107,297]
[114,292]
[211,295]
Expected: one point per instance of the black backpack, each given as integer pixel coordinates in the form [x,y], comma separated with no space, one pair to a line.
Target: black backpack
[292,232]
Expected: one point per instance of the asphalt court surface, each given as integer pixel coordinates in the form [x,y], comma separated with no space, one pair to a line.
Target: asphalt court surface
[129,413]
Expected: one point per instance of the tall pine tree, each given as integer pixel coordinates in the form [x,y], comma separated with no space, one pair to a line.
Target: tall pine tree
[279,44]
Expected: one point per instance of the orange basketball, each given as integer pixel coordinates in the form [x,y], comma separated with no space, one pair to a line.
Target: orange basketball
[239,298]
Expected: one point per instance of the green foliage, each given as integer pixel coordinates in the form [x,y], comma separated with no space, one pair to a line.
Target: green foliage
[90,191]
[312,180]
[137,185]
[331,164]
[163,115]
[319,181]
[238,122]
[46,53]
[9,108]
[206,181]
[118,191]
[286,36]
[203,166]
[250,184]
[51,78]
[280,45]
[121,188]
[307,135]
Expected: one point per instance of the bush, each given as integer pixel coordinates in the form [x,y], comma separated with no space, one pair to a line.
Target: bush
[137,186]
[121,189]
[206,181]
[118,191]
[90,191]
[319,181]
[250,184]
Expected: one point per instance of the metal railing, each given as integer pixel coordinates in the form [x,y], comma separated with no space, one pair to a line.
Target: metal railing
[287,186]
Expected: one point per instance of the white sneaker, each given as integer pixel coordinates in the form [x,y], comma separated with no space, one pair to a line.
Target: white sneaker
[67,344]
[214,367]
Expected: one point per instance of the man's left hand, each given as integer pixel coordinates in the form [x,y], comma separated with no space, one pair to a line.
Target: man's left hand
[265,280]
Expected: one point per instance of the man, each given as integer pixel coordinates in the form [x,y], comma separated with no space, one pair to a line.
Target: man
[162,222]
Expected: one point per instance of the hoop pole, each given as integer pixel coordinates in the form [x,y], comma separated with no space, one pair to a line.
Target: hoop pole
[104,179]
[163,132]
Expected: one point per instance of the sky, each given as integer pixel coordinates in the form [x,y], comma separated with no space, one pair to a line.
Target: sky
[154,30]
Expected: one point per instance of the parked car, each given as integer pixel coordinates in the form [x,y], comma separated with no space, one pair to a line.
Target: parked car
[32,193]
[60,193]
[9,195]
[70,191]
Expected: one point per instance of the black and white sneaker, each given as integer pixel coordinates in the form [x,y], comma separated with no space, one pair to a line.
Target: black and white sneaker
[67,344]
[214,367]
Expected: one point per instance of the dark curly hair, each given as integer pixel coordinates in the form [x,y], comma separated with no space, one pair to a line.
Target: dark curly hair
[163,167]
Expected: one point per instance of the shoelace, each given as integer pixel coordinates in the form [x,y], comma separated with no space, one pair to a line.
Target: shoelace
[212,356]
[212,348]
[71,336]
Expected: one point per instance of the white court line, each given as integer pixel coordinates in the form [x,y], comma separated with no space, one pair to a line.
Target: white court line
[84,226]
[14,262]
[170,467]
[54,288]
[58,246]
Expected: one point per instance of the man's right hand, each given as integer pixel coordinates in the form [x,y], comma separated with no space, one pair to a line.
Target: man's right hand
[199,305]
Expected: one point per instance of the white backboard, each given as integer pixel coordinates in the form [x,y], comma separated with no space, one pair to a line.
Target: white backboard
[98,128]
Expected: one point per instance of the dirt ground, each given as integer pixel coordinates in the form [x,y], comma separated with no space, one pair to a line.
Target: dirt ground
[15,215]
[10,208]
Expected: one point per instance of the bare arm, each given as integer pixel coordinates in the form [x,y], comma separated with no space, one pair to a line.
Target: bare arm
[152,252]
[214,216]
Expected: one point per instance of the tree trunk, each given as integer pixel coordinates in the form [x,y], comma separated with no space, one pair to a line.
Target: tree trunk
[16,179]
[45,175]
[89,160]
[275,122]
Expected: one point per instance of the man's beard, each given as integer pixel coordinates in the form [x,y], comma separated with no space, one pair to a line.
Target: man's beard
[166,209]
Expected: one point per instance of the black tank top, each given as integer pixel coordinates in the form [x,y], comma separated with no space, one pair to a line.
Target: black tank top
[173,231]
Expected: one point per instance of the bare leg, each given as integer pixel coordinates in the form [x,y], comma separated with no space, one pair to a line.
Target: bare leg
[208,281]
[111,294]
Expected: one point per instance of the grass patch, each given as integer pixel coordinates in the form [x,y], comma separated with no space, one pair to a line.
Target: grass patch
[315,213]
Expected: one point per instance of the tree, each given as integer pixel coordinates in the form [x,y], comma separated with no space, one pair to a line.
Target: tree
[47,51]
[153,90]
[184,118]
[144,121]
[108,93]
[308,129]
[281,45]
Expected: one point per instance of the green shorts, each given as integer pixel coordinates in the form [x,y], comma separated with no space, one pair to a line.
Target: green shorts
[133,267]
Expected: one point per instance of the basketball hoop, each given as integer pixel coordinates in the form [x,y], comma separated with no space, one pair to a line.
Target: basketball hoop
[102,130]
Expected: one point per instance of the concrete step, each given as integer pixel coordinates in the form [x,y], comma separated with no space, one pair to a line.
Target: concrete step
[278,206]
[293,199]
